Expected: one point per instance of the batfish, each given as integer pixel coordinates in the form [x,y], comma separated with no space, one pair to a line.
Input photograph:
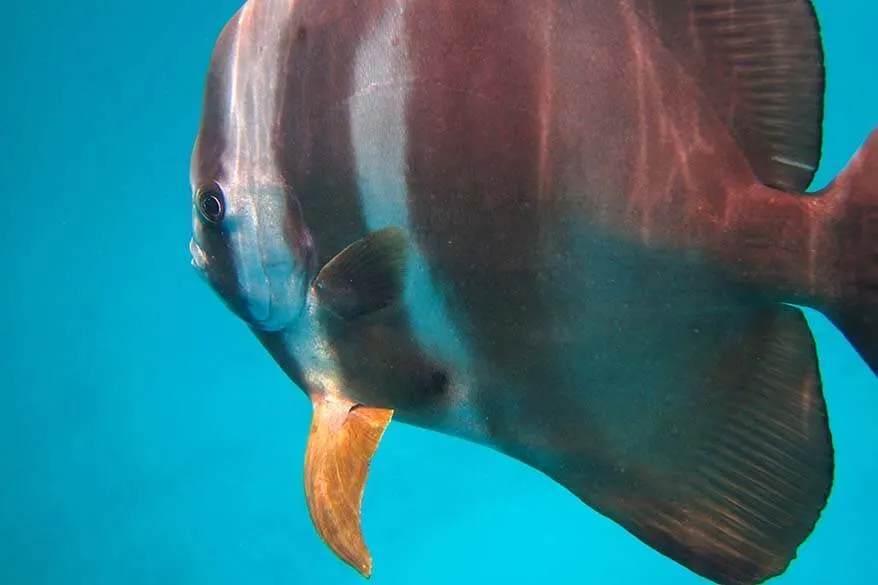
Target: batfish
[577,232]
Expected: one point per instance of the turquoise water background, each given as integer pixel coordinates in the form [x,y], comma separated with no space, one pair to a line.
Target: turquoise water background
[147,438]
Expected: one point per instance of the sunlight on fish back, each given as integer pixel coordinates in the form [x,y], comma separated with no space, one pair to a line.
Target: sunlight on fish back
[570,231]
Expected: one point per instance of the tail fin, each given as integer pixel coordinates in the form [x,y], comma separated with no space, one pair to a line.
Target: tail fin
[854,195]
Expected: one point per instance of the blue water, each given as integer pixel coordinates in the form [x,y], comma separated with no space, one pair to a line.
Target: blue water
[146,437]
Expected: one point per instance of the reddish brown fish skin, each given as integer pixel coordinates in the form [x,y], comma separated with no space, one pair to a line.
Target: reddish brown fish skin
[598,121]
[581,207]
[656,166]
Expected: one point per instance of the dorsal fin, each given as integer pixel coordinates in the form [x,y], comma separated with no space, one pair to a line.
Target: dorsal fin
[760,62]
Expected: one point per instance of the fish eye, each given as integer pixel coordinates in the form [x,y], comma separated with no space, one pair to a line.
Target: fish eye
[211,204]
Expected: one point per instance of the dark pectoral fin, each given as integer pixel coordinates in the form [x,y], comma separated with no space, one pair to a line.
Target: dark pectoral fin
[734,484]
[366,276]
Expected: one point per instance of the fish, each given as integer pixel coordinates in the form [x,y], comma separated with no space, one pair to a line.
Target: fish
[578,233]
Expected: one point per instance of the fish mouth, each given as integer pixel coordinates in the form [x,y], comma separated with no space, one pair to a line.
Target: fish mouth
[199,258]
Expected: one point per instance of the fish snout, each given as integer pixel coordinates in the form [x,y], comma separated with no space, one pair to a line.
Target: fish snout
[199,258]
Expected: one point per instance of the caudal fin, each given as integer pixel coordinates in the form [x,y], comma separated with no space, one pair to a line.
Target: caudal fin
[854,197]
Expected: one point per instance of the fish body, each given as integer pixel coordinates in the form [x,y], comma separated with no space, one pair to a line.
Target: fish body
[566,230]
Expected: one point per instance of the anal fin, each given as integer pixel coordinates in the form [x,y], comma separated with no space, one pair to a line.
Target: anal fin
[733,485]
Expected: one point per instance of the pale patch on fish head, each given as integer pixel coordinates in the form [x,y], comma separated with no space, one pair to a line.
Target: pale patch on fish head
[250,245]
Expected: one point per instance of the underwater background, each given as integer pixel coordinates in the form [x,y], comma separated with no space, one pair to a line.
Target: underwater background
[147,438]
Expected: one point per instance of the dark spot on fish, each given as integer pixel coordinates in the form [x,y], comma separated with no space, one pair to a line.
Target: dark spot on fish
[438,382]
[301,33]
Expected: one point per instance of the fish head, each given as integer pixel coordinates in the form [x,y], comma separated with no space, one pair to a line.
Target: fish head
[249,238]
[250,245]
